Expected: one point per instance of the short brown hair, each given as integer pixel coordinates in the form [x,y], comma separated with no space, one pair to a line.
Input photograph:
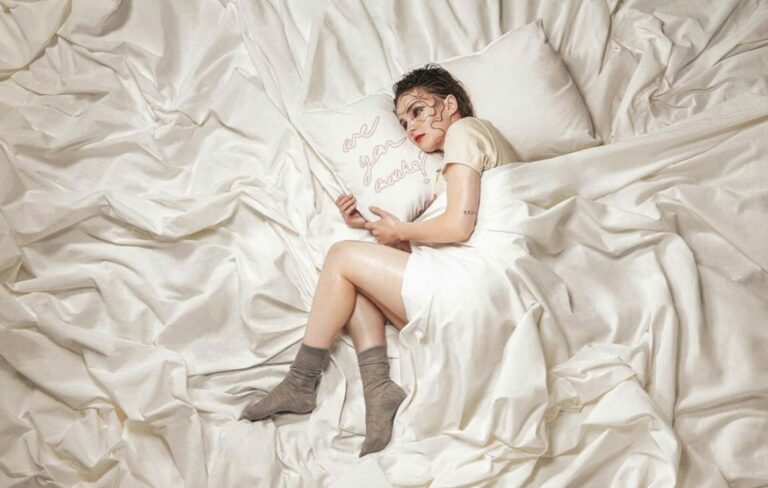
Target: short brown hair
[437,81]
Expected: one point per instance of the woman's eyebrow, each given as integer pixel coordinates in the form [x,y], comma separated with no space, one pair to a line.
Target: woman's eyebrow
[405,111]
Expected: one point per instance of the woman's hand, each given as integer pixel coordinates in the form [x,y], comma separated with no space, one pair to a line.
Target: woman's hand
[386,229]
[402,245]
[349,213]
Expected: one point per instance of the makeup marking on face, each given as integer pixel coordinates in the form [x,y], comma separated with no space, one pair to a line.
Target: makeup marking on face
[428,108]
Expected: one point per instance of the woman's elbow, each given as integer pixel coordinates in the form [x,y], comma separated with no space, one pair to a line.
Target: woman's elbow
[464,232]
[457,228]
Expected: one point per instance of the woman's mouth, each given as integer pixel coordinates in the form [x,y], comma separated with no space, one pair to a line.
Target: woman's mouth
[418,138]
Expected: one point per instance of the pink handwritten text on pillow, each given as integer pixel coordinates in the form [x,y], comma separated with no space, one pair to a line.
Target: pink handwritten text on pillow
[364,132]
[379,150]
[404,170]
[368,161]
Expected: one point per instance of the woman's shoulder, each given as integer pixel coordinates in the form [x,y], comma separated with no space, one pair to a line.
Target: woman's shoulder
[482,135]
[470,125]
[467,122]
[467,139]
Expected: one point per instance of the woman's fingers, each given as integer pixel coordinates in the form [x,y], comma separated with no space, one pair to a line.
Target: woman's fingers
[346,204]
[344,196]
[342,201]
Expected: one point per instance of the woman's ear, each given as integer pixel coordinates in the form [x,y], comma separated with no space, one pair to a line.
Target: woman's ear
[451,104]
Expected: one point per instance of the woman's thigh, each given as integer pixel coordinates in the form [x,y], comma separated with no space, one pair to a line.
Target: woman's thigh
[398,322]
[376,271]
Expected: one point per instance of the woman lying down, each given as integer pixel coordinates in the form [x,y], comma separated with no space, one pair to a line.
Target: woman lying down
[360,282]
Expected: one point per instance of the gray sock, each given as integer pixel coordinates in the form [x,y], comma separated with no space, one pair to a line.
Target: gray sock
[382,398]
[298,390]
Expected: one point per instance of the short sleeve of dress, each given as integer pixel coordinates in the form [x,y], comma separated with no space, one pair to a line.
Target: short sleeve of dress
[468,142]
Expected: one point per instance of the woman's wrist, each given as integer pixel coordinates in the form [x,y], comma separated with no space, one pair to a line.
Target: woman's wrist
[402,231]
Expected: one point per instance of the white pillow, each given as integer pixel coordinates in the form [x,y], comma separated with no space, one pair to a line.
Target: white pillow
[520,84]
[365,146]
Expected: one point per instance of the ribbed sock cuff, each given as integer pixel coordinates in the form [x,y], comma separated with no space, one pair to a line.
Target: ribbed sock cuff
[376,354]
[314,351]
[311,360]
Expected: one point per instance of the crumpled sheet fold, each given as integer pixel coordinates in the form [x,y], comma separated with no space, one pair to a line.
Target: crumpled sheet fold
[162,228]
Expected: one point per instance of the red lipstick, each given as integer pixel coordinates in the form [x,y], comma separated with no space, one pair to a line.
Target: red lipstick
[418,137]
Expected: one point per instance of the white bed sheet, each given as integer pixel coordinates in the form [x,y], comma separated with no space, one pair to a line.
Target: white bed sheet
[163,226]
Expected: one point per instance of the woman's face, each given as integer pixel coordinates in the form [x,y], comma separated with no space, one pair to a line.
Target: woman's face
[426,117]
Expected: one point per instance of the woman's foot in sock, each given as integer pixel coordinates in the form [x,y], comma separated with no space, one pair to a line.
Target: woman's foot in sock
[297,392]
[287,397]
[380,408]
[382,398]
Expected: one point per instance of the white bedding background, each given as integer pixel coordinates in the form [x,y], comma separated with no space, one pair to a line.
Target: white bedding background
[163,226]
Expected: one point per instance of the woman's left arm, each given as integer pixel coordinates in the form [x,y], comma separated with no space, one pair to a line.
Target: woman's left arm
[458,221]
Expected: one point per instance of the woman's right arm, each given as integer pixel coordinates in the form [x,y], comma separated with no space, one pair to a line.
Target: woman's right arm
[458,221]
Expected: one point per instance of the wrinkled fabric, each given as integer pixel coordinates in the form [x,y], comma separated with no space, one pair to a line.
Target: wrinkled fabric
[584,339]
[162,228]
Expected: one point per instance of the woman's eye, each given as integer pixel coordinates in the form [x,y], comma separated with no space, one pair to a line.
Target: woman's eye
[417,111]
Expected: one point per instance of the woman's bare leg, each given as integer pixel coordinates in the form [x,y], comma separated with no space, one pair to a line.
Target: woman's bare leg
[363,278]
[376,270]
[366,325]
[398,322]
[356,276]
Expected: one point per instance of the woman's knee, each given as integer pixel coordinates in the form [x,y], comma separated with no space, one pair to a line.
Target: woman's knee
[341,251]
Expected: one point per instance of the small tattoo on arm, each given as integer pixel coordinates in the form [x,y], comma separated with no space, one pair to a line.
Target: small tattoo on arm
[470,212]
